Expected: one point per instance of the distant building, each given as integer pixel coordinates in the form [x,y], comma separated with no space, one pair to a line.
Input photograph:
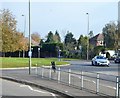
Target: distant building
[33,43]
[97,40]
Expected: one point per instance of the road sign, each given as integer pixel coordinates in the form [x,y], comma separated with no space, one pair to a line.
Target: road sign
[30,53]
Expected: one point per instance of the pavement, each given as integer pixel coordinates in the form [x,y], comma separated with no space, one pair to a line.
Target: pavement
[46,84]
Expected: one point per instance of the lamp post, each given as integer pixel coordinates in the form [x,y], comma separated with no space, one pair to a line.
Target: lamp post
[88,37]
[30,52]
[24,32]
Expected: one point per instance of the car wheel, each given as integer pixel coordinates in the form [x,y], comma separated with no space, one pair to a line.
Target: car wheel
[107,65]
[92,63]
[96,63]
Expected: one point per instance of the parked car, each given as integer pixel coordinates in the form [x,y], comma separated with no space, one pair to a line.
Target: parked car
[117,59]
[100,60]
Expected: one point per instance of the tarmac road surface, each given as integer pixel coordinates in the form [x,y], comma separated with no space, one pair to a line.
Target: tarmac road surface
[10,88]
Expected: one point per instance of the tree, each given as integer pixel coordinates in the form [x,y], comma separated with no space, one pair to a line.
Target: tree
[36,37]
[70,42]
[118,34]
[21,43]
[41,42]
[0,35]
[82,41]
[91,34]
[8,32]
[110,35]
[69,38]
[97,50]
[57,38]
[12,40]
[50,38]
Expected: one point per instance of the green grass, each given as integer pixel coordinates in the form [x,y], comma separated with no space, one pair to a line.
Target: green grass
[24,62]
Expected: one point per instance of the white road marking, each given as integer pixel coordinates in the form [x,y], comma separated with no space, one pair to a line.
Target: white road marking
[109,86]
[53,95]
[32,88]
[66,91]
[94,82]
[38,90]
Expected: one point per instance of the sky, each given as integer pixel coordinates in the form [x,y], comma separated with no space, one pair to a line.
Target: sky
[63,16]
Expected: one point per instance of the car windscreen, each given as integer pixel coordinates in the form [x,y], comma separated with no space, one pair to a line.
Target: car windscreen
[101,57]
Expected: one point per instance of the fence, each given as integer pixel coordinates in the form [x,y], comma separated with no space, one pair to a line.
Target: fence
[95,82]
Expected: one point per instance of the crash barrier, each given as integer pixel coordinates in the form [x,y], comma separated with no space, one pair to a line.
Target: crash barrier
[95,82]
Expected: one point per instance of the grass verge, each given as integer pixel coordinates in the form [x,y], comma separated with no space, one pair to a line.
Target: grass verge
[10,62]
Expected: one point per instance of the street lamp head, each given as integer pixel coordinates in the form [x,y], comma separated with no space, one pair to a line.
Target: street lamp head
[23,15]
[87,13]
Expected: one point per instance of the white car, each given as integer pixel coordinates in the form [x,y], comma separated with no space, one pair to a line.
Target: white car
[100,60]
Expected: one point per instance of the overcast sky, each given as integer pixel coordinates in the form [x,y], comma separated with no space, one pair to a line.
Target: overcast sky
[63,16]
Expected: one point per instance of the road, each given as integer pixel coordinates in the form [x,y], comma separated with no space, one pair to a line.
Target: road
[107,73]
[10,88]
[86,66]
[76,66]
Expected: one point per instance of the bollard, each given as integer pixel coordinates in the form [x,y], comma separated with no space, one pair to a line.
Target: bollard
[69,79]
[50,73]
[117,87]
[36,71]
[97,83]
[81,79]
[42,71]
[59,75]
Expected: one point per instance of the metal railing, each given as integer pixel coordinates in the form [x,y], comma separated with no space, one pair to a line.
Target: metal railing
[97,82]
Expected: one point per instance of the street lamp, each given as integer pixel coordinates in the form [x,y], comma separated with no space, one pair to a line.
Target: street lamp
[88,37]
[24,32]
[30,52]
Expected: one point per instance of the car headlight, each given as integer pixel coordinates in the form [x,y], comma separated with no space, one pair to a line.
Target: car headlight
[108,62]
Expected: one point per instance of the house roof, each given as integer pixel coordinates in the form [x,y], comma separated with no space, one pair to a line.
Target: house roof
[97,37]
[33,43]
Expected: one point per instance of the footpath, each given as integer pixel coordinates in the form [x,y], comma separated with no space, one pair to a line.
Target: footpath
[53,86]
